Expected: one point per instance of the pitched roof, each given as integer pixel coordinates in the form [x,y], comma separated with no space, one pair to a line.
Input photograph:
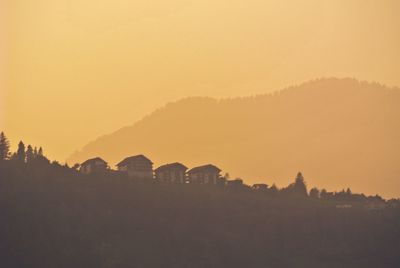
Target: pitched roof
[172,166]
[260,185]
[135,158]
[204,169]
[93,160]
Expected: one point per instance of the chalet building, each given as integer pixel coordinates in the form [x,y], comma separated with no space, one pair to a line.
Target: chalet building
[171,173]
[260,187]
[138,166]
[94,166]
[207,174]
[235,183]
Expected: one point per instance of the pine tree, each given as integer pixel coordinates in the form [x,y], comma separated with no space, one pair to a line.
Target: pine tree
[314,193]
[299,186]
[21,155]
[348,192]
[40,156]
[35,152]
[40,152]
[13,156]
[29,154]
[4,147]
[323,194]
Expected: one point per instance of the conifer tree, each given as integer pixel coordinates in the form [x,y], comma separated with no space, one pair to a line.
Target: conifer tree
[29,154]
[299,185]
[40,152]
[4,147]
[314,193]
[21,155]
[40,156]
[323,194]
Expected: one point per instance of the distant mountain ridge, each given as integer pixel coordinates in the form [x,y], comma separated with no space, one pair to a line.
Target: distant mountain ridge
[339,132]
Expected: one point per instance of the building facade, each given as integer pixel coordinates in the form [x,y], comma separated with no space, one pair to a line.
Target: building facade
[94,166]
[171,173]
[207,174]
[260,187]
[137,166]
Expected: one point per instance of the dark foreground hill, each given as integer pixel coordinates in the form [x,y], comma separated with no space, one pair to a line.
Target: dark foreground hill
[341,132]
[52,216]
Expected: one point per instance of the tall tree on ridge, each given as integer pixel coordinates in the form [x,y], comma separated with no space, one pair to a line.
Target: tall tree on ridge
[40,152]
[300,186]
[21,155]
[4,147]
[40,156]
[314,193]
[29,154]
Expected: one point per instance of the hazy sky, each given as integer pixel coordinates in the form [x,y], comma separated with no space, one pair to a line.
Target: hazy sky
[71,70]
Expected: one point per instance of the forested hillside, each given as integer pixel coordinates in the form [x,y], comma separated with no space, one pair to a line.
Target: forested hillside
[53,216]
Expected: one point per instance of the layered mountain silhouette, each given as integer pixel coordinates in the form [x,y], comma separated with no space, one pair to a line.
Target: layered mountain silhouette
[338,132]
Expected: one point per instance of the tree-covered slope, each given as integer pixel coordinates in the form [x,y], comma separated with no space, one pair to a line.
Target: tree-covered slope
[52,216]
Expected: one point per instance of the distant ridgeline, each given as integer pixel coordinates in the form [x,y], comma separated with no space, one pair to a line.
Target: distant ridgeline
[340,132]
[90,216]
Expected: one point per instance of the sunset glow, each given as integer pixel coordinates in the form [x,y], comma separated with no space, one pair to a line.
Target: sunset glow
[199,133]
[86,68]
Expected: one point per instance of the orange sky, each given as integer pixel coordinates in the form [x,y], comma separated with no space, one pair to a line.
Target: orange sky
[72,70]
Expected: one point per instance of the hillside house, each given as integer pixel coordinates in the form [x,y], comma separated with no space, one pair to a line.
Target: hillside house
[171,173]
[94,166]
[262,187]
[137,166]
[207,174]
[235,183]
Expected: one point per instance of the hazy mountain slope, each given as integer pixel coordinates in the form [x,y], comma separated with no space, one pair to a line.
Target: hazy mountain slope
[339,132]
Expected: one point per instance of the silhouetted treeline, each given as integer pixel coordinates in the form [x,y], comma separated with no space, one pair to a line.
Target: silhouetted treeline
[53,216]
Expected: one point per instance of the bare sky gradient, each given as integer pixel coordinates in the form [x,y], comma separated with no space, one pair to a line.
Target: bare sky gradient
[72,70]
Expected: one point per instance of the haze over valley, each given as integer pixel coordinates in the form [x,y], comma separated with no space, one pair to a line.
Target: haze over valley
[338,132]
[199,133]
